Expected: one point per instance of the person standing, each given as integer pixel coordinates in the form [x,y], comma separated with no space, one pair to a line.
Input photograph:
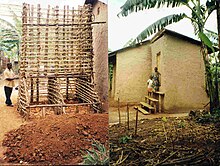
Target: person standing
[149,84]
[9,83]
[156,79]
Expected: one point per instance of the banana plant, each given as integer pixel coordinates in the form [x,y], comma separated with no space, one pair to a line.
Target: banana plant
[10,35]
[199,14]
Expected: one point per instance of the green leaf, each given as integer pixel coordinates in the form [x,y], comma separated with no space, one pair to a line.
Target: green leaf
[213,37]
[137,5]
[124,139]
[210,5]
[206,40]
[10,41]
[158,25]
[164,119]
[90,157]
[97,156]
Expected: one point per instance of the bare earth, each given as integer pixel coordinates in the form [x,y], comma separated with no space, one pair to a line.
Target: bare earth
[114,115]
[54,139]
[11,120]
[9,117]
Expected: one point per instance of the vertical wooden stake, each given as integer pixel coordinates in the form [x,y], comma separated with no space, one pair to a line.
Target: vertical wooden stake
[119,114]
[38,49]
[37,82]
[77,110]
[63,110]
[28,115]
[67,88]
[90,107]
[87,108]
[43,112]
[128,116]
[32,90]
[136,123]
[162,103]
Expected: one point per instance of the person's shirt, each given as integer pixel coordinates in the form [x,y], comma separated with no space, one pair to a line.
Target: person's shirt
[9,74]
[149,82]
[156,78]
[156,75]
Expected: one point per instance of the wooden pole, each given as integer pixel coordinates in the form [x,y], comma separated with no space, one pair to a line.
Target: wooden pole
[119,114]
[38,50]
[57,48]
[37,82]
[57,43]
[64,36]
[32,90]
[46,42]
[77,110]
[128,116]
[72,44]
[136,123]
[23,55]
[162,103]
[63,110]
[43,112]
[67,88]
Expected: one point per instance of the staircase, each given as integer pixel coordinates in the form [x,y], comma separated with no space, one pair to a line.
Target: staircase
[152,103]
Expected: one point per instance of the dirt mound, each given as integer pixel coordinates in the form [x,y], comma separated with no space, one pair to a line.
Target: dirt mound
[165,141]
[56,139]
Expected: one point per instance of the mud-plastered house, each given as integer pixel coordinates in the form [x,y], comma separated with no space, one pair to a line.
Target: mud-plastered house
[100,45]
[179,61]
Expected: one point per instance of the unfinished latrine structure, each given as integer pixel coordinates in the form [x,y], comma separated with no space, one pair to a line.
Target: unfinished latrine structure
[56,60]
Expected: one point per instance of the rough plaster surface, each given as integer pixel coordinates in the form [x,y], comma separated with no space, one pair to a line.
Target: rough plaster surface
[133,68]
[181,67]
[100,43]
[182,73]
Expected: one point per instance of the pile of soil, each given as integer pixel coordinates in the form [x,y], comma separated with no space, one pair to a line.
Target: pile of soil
[165,141]
[56,139]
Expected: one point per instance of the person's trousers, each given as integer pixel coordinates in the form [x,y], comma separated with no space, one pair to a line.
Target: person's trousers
[8,91]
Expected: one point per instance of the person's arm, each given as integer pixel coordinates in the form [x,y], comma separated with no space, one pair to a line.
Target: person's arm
[15,76]
[9,79]
[159,79]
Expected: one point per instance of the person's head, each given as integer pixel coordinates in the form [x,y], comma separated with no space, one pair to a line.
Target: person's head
[151,77]
[155,69]
[9,65]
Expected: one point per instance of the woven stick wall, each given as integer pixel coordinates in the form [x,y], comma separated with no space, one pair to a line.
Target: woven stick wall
[56,60]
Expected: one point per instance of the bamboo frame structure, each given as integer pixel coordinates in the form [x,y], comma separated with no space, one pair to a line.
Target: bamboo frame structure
[56,59]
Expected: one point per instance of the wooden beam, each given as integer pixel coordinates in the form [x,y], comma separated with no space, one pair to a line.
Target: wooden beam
[60,105]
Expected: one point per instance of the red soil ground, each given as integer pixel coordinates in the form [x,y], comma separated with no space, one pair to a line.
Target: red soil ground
[55,139]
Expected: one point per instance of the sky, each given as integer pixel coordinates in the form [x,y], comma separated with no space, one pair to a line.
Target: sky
[122,29]
[43,3]
[4,11]
[51,2]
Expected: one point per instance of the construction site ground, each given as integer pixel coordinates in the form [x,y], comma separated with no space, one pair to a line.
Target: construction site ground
[161,139]
[114,110]
[54,139]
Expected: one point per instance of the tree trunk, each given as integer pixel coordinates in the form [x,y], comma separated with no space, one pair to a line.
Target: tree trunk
[218,24]
[216,97]
[212,88]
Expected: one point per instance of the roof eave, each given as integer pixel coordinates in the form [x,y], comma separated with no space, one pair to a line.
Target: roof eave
[113,53]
